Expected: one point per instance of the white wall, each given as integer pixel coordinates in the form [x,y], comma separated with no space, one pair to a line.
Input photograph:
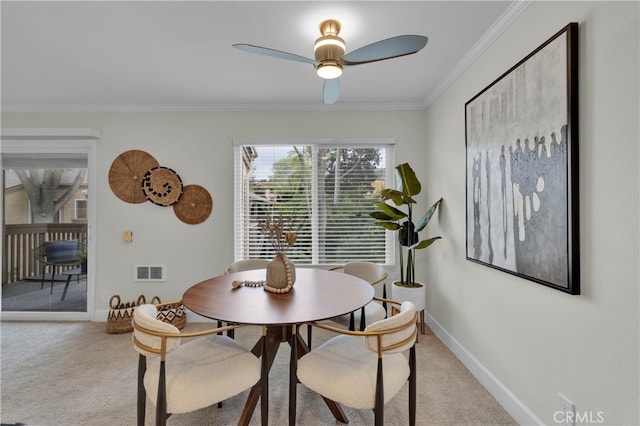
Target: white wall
[198,146]
[530,342]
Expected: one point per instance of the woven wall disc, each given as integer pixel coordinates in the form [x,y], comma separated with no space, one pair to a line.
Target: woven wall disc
[194,206]
[126,173]
[162,186]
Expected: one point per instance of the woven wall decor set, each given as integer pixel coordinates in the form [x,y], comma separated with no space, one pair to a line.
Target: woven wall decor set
[135,177]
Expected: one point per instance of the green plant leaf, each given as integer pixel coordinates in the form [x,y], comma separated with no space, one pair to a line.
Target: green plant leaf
[387,212]
[427,216]
[407,181]
[424,243]
[396,196]
[380,215]
[391,226]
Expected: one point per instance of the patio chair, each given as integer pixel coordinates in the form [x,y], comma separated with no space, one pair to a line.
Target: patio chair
[59,255]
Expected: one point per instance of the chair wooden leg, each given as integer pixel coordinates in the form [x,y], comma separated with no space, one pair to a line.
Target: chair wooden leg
[309,333]
[412,386]
[142,393]
[379,403]
[264,381]
[384,296]
[293,378]
[363,320]
[422,328]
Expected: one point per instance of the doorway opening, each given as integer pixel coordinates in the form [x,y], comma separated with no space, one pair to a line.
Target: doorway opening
[46,234]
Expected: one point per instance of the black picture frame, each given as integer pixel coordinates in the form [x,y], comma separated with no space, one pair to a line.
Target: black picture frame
[522,137]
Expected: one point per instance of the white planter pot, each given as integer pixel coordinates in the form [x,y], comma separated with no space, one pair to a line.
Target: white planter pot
[417,295]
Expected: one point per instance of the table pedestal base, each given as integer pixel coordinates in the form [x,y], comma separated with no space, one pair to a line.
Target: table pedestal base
[267,348]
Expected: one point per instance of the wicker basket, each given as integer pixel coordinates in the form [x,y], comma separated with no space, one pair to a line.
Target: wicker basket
[121,314]
[171,312]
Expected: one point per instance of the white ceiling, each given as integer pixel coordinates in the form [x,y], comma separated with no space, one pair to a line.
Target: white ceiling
[177,55]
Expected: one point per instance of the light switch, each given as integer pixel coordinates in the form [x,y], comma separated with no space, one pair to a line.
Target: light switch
[127,236]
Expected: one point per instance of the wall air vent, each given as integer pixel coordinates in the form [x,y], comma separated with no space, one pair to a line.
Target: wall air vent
[149,273]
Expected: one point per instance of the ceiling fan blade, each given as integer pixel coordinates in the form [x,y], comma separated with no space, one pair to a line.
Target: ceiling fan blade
[331,91]
[386,49]
[273,53]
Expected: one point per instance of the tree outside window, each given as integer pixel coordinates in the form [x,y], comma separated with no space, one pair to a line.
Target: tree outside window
[324,191]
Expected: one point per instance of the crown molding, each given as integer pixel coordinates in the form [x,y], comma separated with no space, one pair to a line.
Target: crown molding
[38,108]
[505,20]
[20,133]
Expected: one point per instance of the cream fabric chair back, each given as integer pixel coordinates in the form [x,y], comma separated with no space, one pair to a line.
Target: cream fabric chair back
[145,317]
[247,265]
[400,340]
[370,272]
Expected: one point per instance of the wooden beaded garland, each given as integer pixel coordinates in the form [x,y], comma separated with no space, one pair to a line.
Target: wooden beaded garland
[236,283]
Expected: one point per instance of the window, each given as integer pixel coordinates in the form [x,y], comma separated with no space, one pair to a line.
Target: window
[81,209]
[324,191]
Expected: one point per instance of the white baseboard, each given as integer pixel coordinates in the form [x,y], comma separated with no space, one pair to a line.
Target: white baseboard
[100,315]
[504,396]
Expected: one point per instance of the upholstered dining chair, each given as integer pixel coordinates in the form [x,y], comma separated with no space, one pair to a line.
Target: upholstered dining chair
[182,377]
[372,311]
[247,265]
[365,369]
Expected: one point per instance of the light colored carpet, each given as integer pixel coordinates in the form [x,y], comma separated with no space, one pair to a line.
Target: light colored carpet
[74,373]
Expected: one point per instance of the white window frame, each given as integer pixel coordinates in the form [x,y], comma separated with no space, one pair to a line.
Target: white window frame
[76,208]
[388,144]
[56,141]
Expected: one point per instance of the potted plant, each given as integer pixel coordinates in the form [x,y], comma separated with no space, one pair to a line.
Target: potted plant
[82,255]
[399,217]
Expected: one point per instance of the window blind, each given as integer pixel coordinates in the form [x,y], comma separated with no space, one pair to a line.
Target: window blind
[322,191]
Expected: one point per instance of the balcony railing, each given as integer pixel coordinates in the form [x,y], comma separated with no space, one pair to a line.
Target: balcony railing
[20,241]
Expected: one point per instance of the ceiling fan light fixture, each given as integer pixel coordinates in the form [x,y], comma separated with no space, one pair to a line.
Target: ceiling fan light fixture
[329,49]
[329,69]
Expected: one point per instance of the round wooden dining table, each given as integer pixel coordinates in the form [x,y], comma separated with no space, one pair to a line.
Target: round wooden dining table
[316,295]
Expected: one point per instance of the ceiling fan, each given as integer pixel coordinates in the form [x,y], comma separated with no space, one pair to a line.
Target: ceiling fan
[330,56]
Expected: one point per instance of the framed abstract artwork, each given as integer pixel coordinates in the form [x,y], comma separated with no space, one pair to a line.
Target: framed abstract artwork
[522,168]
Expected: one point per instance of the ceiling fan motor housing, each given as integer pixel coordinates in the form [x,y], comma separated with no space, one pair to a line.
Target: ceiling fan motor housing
[329,49]
[329,46]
